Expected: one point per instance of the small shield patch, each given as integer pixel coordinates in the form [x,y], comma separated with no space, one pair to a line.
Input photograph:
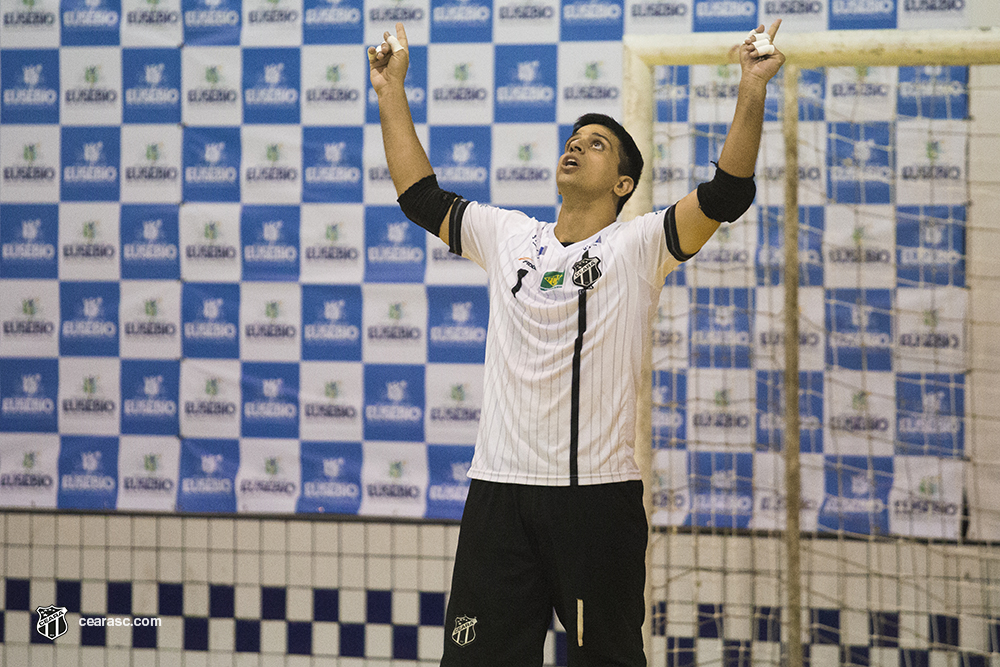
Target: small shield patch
[51,622]
[586,271]
[465,630]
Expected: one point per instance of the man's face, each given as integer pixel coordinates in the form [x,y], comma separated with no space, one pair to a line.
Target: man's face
[589,163]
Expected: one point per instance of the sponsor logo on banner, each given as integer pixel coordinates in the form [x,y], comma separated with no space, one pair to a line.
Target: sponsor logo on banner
[461,21]
[862,15]
[30,23]
[211,90]
[150,394]
[448,483]
[88,472]
[90,22]
[269,474]
[89,247]
[210,313]
[153,166]
[672,92]
[463,88]
[926,497]
[212,22]
[726,419]
[721,336]
[931,245]
[857,494]
[29,389]
[770,498]
[272,17]
[728,252]
[148,473]
[662,13]
[207,474]
[332,164]
[936,167]
[90,158]
[331,86]
[771,246]
[29,470]
[394,479]
[89,314]
[329,243]
[861,93]
[30,164]
[397,10]
[930,418]
[211,164]
[670,330]
[722,15]
[331,477]
[30,320]
[331,396]
[859,163]
[596,84]
[149,238]
[398,325]
[458,318]
[526,78]
[30,86]
[330,410]
[212,401]
[152,16]
[92,87]
[930,329]
[333,22]
[592,20]
[28,233]
[395,246]
[516,14]
[812,96]
[209,237]
[270,400]
[270,167]
[415,86]
[722,492]
[461,159]
[669,412]
[769,329]
[150,319]
[933,91]
[859,323]
[270,237]
[89,397]
[771,411]
[331,322]
[671,496]
[271,85]
[394,400]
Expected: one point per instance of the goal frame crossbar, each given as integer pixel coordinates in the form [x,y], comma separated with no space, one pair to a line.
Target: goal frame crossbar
[893,48]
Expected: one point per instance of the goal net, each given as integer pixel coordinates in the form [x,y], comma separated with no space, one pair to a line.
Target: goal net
[857,525]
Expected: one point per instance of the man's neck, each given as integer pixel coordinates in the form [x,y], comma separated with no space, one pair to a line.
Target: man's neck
[582,220]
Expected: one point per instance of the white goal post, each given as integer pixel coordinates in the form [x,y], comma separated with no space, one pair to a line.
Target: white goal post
[641,54]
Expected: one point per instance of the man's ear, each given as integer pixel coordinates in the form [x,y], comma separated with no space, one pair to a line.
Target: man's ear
[624,186]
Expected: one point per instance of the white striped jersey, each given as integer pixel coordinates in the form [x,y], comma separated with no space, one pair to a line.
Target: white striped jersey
[564,348]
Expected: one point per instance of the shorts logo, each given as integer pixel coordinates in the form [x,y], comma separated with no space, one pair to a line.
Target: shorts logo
[586,271]
[464,632]
[52,622]
[552,280]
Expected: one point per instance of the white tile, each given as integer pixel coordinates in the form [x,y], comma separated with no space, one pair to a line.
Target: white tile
[118,657]
[943,659]
[432,540]
[272,661]
[195,659]
[43,561]
[405,573]
[352,538]
[42,592]
[352,571]
[19,529]
[352,606]
[299,569]
[247,660]
[43,529]
[854,626]
[379,573]
[17,625]
[169,532]
[299,604]
[42,655]
[220,658]
[195,565]
[273,536]
[450,540]
[195,533]
[273,637]
[326,638]
[119,564]
[118,636]
[220,567]
[405,539]
[765,654]
[142,656]
[195,599]
[93,597]
[66,656]
[248,568]
[247,601]
[274,569]
[169,658]
[378,640]
[221,534]
[913,629]
[405,607]
[379,536]
[432,575]
[67,563]
[298,661]
[247,535]
[144,565]
[326,537]
[19,561]
[170,635]
[300,537]
[144,598]
[222,634]
[119,531]
[326,571]
[144,531]
[822,654]
[169,565]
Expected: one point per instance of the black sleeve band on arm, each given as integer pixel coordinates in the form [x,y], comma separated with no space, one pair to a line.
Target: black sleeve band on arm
[426,204]
[673,240]
[726,197]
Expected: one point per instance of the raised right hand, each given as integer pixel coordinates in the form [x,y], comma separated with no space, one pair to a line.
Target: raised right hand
[388,64]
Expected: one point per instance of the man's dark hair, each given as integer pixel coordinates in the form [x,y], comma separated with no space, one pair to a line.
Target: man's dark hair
[629,157]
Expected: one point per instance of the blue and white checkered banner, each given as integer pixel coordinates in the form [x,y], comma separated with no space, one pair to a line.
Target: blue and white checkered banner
[210,302]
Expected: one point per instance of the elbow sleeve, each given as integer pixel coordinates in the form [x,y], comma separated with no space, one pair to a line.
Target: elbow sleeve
[726,197]
[426,204]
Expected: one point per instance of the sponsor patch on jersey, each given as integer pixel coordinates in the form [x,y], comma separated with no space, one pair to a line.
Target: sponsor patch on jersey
[552,280]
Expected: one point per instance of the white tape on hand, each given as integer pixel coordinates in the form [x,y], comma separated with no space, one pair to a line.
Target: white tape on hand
[763,49]
[394,44]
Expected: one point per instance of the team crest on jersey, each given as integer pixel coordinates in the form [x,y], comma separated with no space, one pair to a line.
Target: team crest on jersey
[465,630]
[586,271]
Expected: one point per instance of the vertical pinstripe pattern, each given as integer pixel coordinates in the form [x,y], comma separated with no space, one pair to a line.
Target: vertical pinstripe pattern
[559,407]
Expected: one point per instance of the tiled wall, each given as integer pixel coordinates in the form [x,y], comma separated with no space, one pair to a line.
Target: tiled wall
[267,592]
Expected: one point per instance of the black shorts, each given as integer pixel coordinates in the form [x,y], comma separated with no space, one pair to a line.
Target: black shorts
[524,550]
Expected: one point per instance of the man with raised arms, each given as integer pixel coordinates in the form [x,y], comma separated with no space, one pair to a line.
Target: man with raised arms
[554,516]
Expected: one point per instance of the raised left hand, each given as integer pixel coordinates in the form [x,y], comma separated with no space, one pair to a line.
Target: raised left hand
[761,68]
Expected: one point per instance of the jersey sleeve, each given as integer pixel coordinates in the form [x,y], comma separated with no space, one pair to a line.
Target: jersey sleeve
[475,230]
[657,244]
